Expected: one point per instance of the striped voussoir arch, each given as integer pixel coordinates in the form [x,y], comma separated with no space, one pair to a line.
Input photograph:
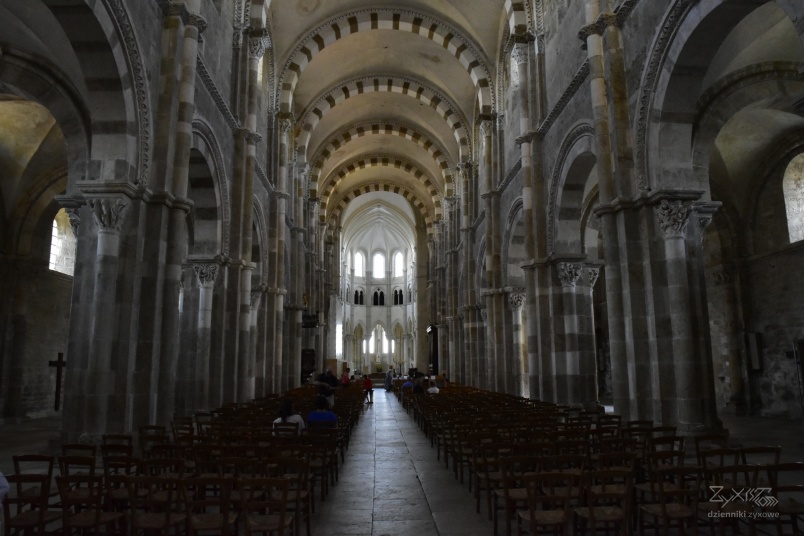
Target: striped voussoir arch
[386,84]
[386,19]
[335,179]
[341,203]
[389,129]
[517,15]
[119,128]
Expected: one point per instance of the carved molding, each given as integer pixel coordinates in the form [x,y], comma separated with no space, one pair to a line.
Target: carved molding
[206,274]
[674,216]
[566,97]
[212,89]
[569,273]
[139,82]
[648,85]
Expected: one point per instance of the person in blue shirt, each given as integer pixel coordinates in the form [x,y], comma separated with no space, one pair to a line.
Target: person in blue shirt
[322,416]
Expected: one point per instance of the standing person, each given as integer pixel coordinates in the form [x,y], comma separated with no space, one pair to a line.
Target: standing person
[368,386]
[389,378]
[327,384]
[288,414]
[345,378]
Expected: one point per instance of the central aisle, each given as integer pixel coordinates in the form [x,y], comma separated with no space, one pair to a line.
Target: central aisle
[392,483]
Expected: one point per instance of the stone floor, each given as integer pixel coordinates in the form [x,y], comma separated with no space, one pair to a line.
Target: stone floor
[392,483]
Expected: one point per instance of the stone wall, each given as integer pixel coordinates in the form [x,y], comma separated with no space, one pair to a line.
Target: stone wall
[36,333]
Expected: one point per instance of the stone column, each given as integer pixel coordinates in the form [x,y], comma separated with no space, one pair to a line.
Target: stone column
[534,201]
[690,367]
[204,369]
[100,396]
[625,314]
[516,300]
[587,342]
[483,367]
[278,246]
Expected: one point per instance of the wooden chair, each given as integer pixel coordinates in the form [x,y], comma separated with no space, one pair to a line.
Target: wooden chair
[512,495]
[155,506]
[25,509]
[678,489]
[116,471]
[550,502]
[608,500]
[82,504]
[787,487]
[208,501]
[117,439]
[300,494]
[706,442]
[728,496]
[79,449]
[77,465]
[38,464]
[264,506]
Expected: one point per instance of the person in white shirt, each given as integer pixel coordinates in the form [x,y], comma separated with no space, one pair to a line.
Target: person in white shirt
[288,414]
[432,390]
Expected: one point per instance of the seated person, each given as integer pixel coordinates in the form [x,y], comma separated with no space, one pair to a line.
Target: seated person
[407,387]
[432,390]
[322,416]
[287,414]
[418,388]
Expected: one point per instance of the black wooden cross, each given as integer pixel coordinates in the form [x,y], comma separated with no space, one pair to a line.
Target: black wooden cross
[60,363]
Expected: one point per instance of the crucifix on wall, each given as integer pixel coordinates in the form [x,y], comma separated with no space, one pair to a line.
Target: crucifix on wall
[59,363]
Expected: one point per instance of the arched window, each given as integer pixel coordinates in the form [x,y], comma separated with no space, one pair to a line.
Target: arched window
[382,298]
[378,266]
[396,297]
[361,297]
[399,265]
[401,297]
[360,266]
[793,188]
[62,244]
[357,297]
[376,300]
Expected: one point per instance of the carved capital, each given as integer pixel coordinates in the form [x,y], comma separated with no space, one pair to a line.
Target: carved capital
[249,135]
[75,219]
[569,273]
[722,277]
[255,298]
[527,137]
[108,212]
[516,300]
[285,123]
[206,274]
[520,53]
[673,218]
[486,127]
[590,274]
[256,47]
[194,19]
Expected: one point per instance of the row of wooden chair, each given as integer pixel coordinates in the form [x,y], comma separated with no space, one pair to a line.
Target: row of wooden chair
[163,505]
